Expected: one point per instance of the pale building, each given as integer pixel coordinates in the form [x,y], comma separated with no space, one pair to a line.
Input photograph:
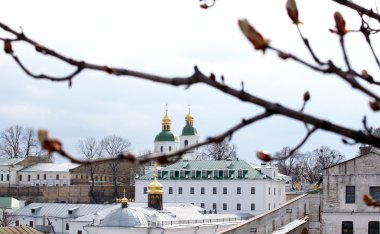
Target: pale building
[48,216]
[224,186]
[46,174]
[8,171]
[158,217]
[166,141]
[344,185]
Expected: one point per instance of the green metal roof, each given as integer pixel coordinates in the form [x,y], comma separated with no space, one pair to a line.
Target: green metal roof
[165,136]
[249,172]
[189,130]
[6,202]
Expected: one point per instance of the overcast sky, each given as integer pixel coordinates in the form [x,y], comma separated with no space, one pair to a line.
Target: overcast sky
[169,37]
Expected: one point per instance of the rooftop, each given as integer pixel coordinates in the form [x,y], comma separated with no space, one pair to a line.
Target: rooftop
[51,167]
[207,169]
[60,210]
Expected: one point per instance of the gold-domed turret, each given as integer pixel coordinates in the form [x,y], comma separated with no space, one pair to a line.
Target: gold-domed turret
[123,201]
[155,192]
[155,187]
[189,118]
[166,122]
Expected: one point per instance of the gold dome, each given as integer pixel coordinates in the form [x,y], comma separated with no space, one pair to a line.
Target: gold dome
[189,118]
[155,187]
[166,119]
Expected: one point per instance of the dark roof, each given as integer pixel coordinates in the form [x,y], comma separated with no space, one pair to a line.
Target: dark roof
[19,230]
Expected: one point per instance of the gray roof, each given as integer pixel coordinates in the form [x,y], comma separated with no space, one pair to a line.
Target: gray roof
[138,215]
[59,210]
[125,217]
[9,161]
[50,167]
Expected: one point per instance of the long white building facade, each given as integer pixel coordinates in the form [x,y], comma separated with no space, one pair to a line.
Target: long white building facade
[223,186]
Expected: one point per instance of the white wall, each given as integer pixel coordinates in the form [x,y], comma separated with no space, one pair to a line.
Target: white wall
[166,145]
[64,178]
[261,198]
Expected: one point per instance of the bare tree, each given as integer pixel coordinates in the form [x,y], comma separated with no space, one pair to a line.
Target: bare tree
[6,218]
[19,142]
[219,151]
[114,146]
[90,148]
[307,166]
[290,165]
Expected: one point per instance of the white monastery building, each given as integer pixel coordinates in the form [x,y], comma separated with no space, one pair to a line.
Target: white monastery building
[223,186]
[46,174]
[166,141]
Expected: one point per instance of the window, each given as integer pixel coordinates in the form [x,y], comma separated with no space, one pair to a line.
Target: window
[170,190]
[202,205]
[238,190]
[170,148]
[191,190]
[186,143]
[67,226]
[375,193]
[240,173]
[238,206]
[31,223]
[182,173]
[37,184]
[215,173]
[145,190]
[202,190]
[180,190]
[28,177]
[224,206]
[57,176]
[252,206]
[268,206]
[7,177]
[347,227]
[269,191]
[193,173]
[253,190]
[79,232]
[162,148]
[350,194]
[44,176]
[17,223]
[56,185]
[38,176]
[274,191]
[1,177]
[225,174]
[373,227]
[20,177]
[214,206]
[204,173]
[224,190]
[171,174]
[214,191]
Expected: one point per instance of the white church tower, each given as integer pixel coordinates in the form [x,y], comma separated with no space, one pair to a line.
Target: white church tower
[166,141]
[189,134]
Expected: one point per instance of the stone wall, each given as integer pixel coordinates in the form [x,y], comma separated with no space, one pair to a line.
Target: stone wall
[70,194]
[274,219]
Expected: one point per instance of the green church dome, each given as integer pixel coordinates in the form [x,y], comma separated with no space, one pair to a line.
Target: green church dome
[165,136]
[189,130]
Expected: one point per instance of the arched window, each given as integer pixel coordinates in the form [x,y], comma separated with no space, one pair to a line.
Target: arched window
[162,148]
[186,143]
[170,148]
